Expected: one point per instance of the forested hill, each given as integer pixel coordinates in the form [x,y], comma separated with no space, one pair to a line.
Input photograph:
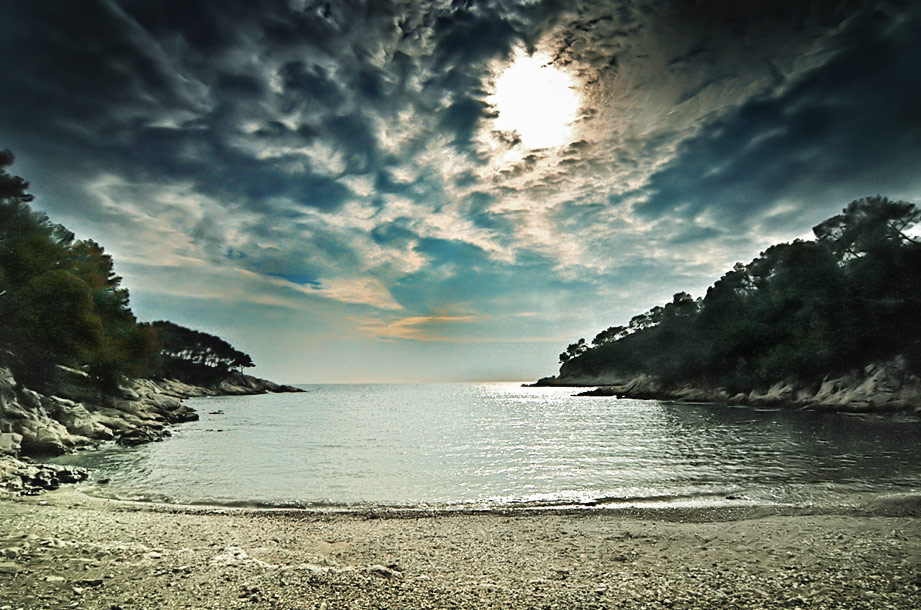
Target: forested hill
[799,312]
[62,305]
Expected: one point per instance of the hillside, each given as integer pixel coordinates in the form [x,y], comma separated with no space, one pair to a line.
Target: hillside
[76,366]
[832,321]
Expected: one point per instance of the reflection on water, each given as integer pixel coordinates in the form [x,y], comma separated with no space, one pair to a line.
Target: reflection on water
[467,443]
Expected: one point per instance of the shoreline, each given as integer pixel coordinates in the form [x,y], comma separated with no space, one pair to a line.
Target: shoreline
[34,425]
[65,548]
[884,389]
[896,504]
[896,501]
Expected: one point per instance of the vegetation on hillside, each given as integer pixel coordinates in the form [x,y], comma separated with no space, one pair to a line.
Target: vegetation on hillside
[800,310]
[194,355]
[61,303]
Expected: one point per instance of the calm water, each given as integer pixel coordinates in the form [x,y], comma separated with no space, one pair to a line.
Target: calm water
[500,443]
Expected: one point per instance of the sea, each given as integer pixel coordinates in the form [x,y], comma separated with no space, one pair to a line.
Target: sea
[475,445]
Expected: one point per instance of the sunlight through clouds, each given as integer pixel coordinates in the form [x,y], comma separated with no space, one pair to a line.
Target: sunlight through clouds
[577,161]
[535,100]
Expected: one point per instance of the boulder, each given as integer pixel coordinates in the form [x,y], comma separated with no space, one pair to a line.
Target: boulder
[35,424]
[10,443]
[77,419]
[39,446]
[25,478]
[140,436]
[181,415]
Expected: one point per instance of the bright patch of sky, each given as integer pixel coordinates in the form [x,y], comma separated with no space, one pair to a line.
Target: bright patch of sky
[536,101]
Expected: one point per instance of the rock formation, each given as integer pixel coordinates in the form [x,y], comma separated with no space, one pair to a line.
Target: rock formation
[39,425]
[887,386]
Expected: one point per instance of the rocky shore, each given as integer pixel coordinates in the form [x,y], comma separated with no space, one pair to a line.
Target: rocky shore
[880,387]
[67,550]
[141,411]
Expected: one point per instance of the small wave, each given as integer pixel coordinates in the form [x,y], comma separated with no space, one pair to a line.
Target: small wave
[521,504]
[461,447]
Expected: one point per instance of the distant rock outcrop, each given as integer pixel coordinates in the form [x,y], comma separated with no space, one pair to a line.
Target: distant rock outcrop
[39,425]
[888,386]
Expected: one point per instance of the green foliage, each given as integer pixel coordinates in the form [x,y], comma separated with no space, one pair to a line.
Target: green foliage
[573,350]
[800,310]
[612,333]
[53,322]
[193,355]
[867,226]
[61,302]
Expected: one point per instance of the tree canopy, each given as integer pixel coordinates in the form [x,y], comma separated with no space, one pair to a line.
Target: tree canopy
[193,354]
[61,303]
[799,310]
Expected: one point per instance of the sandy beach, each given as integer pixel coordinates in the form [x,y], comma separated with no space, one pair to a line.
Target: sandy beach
[68,550]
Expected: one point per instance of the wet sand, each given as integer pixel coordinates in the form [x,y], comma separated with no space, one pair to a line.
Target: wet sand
[67,550]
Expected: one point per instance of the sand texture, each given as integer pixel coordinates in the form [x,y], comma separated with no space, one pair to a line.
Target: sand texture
[66,550]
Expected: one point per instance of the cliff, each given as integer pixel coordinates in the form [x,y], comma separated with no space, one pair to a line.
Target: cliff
[39,425]
[887,386]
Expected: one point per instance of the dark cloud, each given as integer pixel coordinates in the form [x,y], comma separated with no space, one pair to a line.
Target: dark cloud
[479,211]
[305,82]
[739,17]
[350,146]
[462,118]
[469,36]
[203,25]
[847,129]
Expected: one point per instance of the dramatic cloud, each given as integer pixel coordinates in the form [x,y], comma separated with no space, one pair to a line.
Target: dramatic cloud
[376,169]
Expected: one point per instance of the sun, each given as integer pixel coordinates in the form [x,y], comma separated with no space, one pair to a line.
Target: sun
[536,100]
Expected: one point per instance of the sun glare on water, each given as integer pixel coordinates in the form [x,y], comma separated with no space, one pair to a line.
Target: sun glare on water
[537,101]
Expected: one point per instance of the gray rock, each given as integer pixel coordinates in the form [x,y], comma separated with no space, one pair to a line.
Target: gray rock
[140,436]
[383,571]
[37,446]
[882,386]
[10,443]
[38,425]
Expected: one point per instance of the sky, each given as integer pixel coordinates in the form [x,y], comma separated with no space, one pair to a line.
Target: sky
[379,191]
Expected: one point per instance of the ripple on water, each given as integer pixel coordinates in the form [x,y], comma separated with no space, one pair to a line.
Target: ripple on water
[452,444]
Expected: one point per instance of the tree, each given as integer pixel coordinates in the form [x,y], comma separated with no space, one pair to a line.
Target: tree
[193,354]
[11,187]
[799,310]
[60,301]
[867,225]
[573,350]
[612,333]
[52,323]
